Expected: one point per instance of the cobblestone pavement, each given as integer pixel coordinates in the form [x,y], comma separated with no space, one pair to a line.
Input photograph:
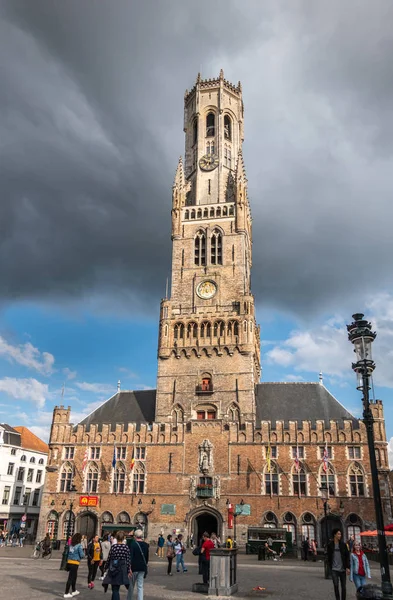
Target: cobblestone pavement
[23,578]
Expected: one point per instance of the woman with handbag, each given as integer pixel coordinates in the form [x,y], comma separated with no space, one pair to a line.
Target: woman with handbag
[118,567]
[170,553]
[180,551]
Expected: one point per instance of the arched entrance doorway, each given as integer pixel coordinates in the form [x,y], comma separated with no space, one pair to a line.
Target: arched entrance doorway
[87,524]
[205,522]
[333,521]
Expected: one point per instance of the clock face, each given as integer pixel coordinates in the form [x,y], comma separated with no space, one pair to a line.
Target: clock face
[206,289]
[208,162]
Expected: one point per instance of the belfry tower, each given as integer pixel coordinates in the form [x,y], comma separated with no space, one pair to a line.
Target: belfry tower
[209,347]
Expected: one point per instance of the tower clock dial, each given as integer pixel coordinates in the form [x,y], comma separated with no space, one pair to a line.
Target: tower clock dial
[208,162]
[206,289]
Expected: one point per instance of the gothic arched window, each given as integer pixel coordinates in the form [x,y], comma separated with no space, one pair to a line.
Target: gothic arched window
[356,481]
[271,481]
[328,479]
[119,479]
[91,484]
[68,525]
[218,212]
[199,214]
[66,477]
[178,415]
[200,249]
[187,215]
[205,329]
[234,413]
[219,329]
[179,331]
[138,484]
[225,211]
[205,213]
[299,482]
[210,125]
[52,524]
[216,247]
[227,127]
[192,330]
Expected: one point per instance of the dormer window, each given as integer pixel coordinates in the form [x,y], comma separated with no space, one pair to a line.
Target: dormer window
[210,125]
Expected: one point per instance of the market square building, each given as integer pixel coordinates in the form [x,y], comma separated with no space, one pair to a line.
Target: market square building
[211,434]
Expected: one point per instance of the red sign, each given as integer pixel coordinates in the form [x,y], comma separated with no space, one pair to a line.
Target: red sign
[230,516]
[88,500]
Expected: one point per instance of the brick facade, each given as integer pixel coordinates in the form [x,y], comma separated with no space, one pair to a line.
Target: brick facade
[205,445]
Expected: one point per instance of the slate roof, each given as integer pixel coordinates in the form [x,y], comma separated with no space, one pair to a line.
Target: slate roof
[124,407]
[299,402]
[274,402]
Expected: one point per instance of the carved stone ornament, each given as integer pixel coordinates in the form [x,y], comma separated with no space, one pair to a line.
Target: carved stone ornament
[205,457]
[193,484]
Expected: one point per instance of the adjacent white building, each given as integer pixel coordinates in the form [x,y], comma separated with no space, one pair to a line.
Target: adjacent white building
[23,458]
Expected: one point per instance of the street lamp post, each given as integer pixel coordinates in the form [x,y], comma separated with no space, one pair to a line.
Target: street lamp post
[235,515]
[361,336]
[325,497]
[64,557]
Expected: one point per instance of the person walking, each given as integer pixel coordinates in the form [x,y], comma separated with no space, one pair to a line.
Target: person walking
[84,544]
[359,566]
[313,548]
[94,557]
[160,546]
[105,546]
[305,548]
[170,553]
[119,567]
[207,546]
[180,551]
[139,560]
[338,560]
[75,555]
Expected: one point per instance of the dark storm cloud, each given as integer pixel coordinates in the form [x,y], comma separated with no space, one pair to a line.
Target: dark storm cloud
[91,128]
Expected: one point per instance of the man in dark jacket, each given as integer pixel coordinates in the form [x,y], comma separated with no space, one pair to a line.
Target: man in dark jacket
[338,559]
[139,560]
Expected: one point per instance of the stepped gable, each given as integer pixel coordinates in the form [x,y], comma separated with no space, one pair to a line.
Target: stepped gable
[124,407]
[299,402]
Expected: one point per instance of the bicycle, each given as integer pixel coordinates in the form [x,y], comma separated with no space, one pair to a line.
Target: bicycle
[41,552]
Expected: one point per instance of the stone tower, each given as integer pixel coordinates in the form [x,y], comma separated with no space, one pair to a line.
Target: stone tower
[208,350]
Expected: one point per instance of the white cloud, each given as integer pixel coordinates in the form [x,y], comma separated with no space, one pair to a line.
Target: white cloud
[41,431]
[95,388]
[30,390]
[130,374]
[28,356]
[69,374]
[293,378]
[390,452]
[326,347]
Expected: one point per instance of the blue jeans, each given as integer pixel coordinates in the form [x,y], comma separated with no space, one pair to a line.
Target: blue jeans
[179,561]
[359,580]
[137,577]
